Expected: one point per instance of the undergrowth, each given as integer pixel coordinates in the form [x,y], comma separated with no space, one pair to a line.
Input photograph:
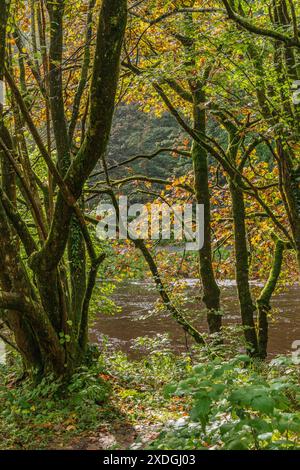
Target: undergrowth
[203,399]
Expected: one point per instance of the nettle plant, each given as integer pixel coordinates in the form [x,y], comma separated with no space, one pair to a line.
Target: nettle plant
[236,405]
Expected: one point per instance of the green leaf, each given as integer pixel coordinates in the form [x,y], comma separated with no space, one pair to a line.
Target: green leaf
[264,404]
[201,409]
[240,397]
[237,444]
[260,425]
[170,390]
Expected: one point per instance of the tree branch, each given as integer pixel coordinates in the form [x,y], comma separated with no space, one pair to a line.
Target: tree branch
[177,11]
[18,224]
[111,30]
[12,301]
[246,24]
[146,157]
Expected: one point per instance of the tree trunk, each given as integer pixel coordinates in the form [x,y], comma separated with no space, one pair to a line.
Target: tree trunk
[50,329]
[263,302]
[211,297]
[242,269]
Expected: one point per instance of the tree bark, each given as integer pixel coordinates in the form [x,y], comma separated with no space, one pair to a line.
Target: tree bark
[36,306]
[263,302]
[242,269]
[211,297]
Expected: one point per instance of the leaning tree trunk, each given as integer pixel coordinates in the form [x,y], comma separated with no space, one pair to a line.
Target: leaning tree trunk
[263,302]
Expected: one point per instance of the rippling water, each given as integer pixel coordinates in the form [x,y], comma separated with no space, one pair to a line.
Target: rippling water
[137,300]
[139,318]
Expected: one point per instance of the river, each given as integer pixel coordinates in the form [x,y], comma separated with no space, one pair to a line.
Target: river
[139,318]
[137,300]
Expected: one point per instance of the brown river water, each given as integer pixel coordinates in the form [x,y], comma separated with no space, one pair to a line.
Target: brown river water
[139,318]
[137,301]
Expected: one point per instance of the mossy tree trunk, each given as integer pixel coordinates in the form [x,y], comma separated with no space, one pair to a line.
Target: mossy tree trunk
[76,246]
[263,302]
[211,297]
[197,97]
[40,297]
[234,178]
[242,268]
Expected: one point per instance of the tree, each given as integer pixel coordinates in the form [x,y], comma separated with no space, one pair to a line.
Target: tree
[179,83]
[45,295]
[282,16]
[194,99]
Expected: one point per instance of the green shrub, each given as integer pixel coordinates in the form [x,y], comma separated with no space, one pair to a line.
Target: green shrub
[238,404]
[33,415]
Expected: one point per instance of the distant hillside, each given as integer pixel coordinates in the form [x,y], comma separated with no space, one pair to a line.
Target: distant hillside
[135,132]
